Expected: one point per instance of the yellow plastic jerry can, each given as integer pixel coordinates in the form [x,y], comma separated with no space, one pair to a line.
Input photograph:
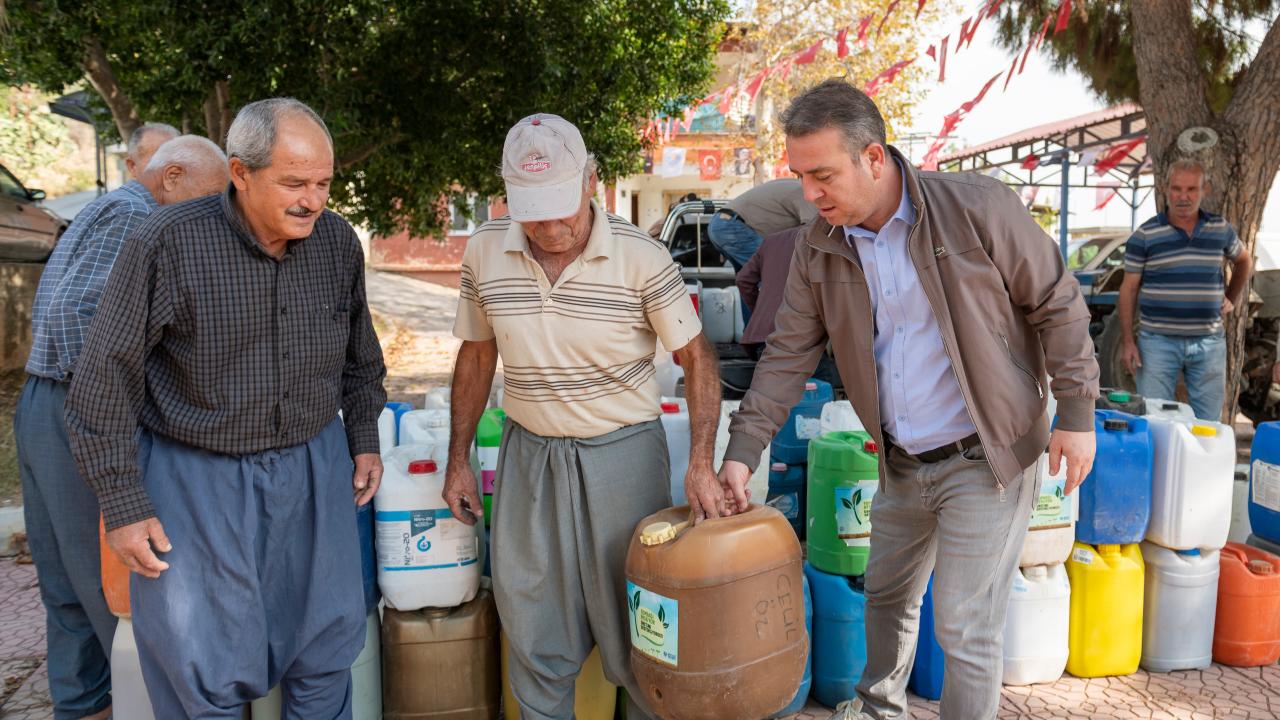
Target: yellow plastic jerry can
[594,697]
[1106,610]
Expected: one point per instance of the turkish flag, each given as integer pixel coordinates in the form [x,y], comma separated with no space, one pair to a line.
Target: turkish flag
[1031,162]
[708,164]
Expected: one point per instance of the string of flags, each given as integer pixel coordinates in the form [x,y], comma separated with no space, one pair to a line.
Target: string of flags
[659,131]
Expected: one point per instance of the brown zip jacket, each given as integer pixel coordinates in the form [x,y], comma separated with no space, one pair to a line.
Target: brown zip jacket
[1007,308]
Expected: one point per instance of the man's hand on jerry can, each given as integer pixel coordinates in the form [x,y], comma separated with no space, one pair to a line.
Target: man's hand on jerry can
[1077,449]
[461,493]
[706,497]
[733,479]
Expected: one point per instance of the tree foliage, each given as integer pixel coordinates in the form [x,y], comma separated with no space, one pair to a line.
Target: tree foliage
[781,28]
[418,95]
[36,146]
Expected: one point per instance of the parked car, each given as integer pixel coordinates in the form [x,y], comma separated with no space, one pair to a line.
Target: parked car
[28,231]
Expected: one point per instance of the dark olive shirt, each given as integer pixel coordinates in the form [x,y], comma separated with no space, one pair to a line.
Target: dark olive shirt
[204,338]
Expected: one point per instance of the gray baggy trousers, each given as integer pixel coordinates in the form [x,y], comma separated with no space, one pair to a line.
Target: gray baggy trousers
[949,518]
[564,512]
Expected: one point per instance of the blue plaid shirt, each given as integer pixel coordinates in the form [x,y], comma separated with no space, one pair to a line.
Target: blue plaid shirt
[73,280]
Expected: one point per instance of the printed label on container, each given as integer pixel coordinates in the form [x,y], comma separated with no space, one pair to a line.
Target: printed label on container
[808,428]
[423,540]
[1053,508]
[488,457]
[1266,485]
[1083,556]
[655,624]
[786,503]
[853,513]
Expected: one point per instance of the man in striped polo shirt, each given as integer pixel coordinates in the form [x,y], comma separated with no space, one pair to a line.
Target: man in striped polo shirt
[1173,269]
[573,300]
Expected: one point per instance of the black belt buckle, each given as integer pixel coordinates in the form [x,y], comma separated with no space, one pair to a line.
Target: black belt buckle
[939,454]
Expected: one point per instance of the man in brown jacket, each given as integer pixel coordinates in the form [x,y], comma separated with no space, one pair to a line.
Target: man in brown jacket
[945,305]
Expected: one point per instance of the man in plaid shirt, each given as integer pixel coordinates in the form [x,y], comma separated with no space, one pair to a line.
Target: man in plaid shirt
[61,511]
[205,416]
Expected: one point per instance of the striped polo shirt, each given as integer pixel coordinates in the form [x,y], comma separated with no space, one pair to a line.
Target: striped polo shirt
[1182,275]
[577,356]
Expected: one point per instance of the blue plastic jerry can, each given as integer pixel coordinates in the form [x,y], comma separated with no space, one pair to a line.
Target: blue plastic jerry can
[1115,499]
[1264,483]
[839,651]
[791,444]
[802,695]
[926,673]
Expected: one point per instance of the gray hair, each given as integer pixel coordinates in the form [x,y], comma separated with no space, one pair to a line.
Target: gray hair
[253,133]
[136,137]
[1184,165]
[189,151]
[836,104]
[590,168]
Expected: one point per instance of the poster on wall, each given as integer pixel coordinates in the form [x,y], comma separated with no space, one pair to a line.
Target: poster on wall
[742,161]
[708,164]
[673,161]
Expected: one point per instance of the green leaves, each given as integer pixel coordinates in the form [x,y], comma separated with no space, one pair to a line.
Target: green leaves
[418,96]
[847,503]
[857,505]
[635,602]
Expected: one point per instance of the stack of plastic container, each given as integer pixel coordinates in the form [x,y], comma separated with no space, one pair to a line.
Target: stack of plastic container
[1247,633]
[675,424]
[1106,569]
[437,621]
[842,480]
[1036,639]
[790,450]
[1193,473]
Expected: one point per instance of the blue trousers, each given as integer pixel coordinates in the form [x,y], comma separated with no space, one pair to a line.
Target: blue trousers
[1202,360]
[61,515]
[263,585]
[735,239]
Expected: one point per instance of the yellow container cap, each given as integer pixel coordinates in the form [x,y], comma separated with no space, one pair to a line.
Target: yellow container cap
[1204,430]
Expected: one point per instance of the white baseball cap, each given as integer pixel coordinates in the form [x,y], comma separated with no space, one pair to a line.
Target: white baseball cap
[543,162]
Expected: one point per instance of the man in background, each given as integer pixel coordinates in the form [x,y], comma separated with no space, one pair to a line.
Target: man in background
[60,510]
[739,228]
[143,143]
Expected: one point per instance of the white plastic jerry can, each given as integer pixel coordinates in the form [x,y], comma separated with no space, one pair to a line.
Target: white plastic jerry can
[1180,604]
[675,424]
[1051,533]
[129,697]
[426,557]
[838,416]
[426,427]
[1170,410]
[717,310]
[759,482]
[1036,626]
[1192,481]
[386,430]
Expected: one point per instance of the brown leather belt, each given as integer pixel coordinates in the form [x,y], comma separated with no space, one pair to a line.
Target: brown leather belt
[939,454]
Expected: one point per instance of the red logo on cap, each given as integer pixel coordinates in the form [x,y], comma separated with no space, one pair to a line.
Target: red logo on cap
[535,163]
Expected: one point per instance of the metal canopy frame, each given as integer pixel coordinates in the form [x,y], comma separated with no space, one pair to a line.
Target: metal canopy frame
[1059,147]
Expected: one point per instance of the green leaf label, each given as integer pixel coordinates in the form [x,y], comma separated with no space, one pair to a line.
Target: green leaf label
[654,624]
[853,512]
[1053,508]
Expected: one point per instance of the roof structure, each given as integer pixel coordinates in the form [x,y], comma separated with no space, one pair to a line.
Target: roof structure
[1095,145]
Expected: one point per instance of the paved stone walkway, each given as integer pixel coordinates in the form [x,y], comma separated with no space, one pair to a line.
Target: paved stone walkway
[1218,693]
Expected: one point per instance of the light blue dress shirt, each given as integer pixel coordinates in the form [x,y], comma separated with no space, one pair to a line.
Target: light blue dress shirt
[921,406]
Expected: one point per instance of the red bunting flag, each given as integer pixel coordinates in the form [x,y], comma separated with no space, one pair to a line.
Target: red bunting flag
[754,86]
[949,123]
[1031,162]
[967,31]
[782,69]
[1064,16]
[930,159]
[888,11]
[932,52]
[1103,195]
[842,42]
[863,26]
[809,54]
[942,60]
[1115,155]
[919,7]
[886,76]
[991,7]
[726,98]
[969,106]
[1044,30]
[1012,67]
[687,121]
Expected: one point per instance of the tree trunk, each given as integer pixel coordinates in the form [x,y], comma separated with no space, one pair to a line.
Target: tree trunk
[98,69]
[1240,169]
[217,112]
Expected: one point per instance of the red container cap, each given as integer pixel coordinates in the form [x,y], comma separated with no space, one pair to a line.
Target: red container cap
[811,386]
[422,467]
[670,407]
[778,467]
[870,446]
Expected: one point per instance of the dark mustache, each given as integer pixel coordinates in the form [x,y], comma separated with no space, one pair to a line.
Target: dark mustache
[299,212]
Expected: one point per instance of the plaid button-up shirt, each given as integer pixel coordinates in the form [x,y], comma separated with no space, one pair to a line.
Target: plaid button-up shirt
[76,274]
[205,338]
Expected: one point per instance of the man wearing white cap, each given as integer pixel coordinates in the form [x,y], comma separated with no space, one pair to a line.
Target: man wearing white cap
[573,299]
